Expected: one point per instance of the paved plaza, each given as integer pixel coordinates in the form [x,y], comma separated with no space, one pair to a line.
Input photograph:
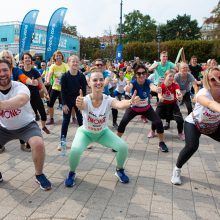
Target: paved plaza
[98,194]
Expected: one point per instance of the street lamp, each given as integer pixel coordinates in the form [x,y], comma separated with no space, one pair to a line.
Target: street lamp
[158,41]
[120,39]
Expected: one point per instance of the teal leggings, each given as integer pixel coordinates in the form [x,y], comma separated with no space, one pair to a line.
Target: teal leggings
[106,137]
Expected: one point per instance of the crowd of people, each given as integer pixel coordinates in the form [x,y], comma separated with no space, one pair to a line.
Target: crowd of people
[88,93]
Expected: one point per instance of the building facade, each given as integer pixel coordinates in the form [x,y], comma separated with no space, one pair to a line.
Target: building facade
[9,39]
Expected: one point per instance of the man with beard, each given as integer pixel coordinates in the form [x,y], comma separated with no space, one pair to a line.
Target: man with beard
[17,120]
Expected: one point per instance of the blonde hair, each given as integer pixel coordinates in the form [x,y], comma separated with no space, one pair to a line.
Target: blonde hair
[171,71]
[94,69]
[206,73]
[9,53]
[73,57]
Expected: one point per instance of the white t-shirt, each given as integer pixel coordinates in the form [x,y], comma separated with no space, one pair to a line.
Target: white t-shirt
[96,119]
[17,118]
[121,85]
[202,116]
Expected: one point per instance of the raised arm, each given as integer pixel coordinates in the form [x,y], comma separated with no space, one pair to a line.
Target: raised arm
[126,103]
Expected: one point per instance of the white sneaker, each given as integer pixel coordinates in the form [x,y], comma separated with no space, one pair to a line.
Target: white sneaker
[176,180]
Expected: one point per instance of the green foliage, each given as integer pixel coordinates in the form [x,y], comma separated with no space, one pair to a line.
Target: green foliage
[204,50]
[68,29]
[181,28]
[138,27]
[89,47]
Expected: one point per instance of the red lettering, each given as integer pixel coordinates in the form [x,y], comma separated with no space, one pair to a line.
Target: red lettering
[9,113]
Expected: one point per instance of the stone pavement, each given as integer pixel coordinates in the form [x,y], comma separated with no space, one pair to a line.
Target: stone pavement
[98,194]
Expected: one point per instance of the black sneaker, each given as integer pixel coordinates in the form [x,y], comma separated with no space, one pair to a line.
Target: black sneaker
[1,179]
[43,182]
[163,147]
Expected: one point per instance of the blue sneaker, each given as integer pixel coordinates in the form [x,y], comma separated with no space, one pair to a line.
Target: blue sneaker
[123,178]
[43,182]
[1,179]
[70,180]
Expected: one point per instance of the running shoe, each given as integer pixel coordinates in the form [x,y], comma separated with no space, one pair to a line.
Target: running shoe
[70,180]
[176,180]
[25,147]
[43,182]
[151,134]
[163,147]
[144,119]
[122,177]
[45,129]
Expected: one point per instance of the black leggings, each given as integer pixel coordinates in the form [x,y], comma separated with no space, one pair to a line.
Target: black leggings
[192,135]
[169,112]
[54,94]
[150,114]
[187,101]
[37,105]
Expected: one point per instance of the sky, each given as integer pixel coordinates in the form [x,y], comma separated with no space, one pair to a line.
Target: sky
[97,17]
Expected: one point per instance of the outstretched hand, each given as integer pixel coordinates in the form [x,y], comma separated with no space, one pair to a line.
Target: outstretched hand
[135,99]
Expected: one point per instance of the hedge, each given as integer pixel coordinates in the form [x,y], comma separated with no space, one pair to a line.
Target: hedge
[203,49]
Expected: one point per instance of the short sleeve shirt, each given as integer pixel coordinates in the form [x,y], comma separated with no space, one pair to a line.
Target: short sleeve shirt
[20,117]
[96,119]
[57,72]
[160,71]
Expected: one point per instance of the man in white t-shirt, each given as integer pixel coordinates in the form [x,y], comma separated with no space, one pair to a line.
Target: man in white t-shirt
[17,121]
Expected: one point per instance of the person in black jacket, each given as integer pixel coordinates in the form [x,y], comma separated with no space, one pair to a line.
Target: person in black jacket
[71,83]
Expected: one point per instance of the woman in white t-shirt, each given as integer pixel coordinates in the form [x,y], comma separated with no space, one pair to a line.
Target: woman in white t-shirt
[96,108]
[205,119]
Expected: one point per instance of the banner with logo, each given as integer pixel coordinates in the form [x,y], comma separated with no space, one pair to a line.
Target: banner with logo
[119,50]
[54,31]
[27,31]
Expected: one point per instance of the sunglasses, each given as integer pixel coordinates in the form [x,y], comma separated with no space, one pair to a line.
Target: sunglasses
[214,79]
[141,73]
[99,65]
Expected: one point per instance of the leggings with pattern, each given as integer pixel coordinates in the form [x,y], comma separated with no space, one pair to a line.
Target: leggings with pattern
[106,138]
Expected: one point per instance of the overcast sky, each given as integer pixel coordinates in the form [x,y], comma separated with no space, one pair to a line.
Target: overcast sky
[93,17]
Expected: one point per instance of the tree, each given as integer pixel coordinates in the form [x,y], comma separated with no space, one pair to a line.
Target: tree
[68,29]
[138,27]
[181,28]
[88,47]
[215,19]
